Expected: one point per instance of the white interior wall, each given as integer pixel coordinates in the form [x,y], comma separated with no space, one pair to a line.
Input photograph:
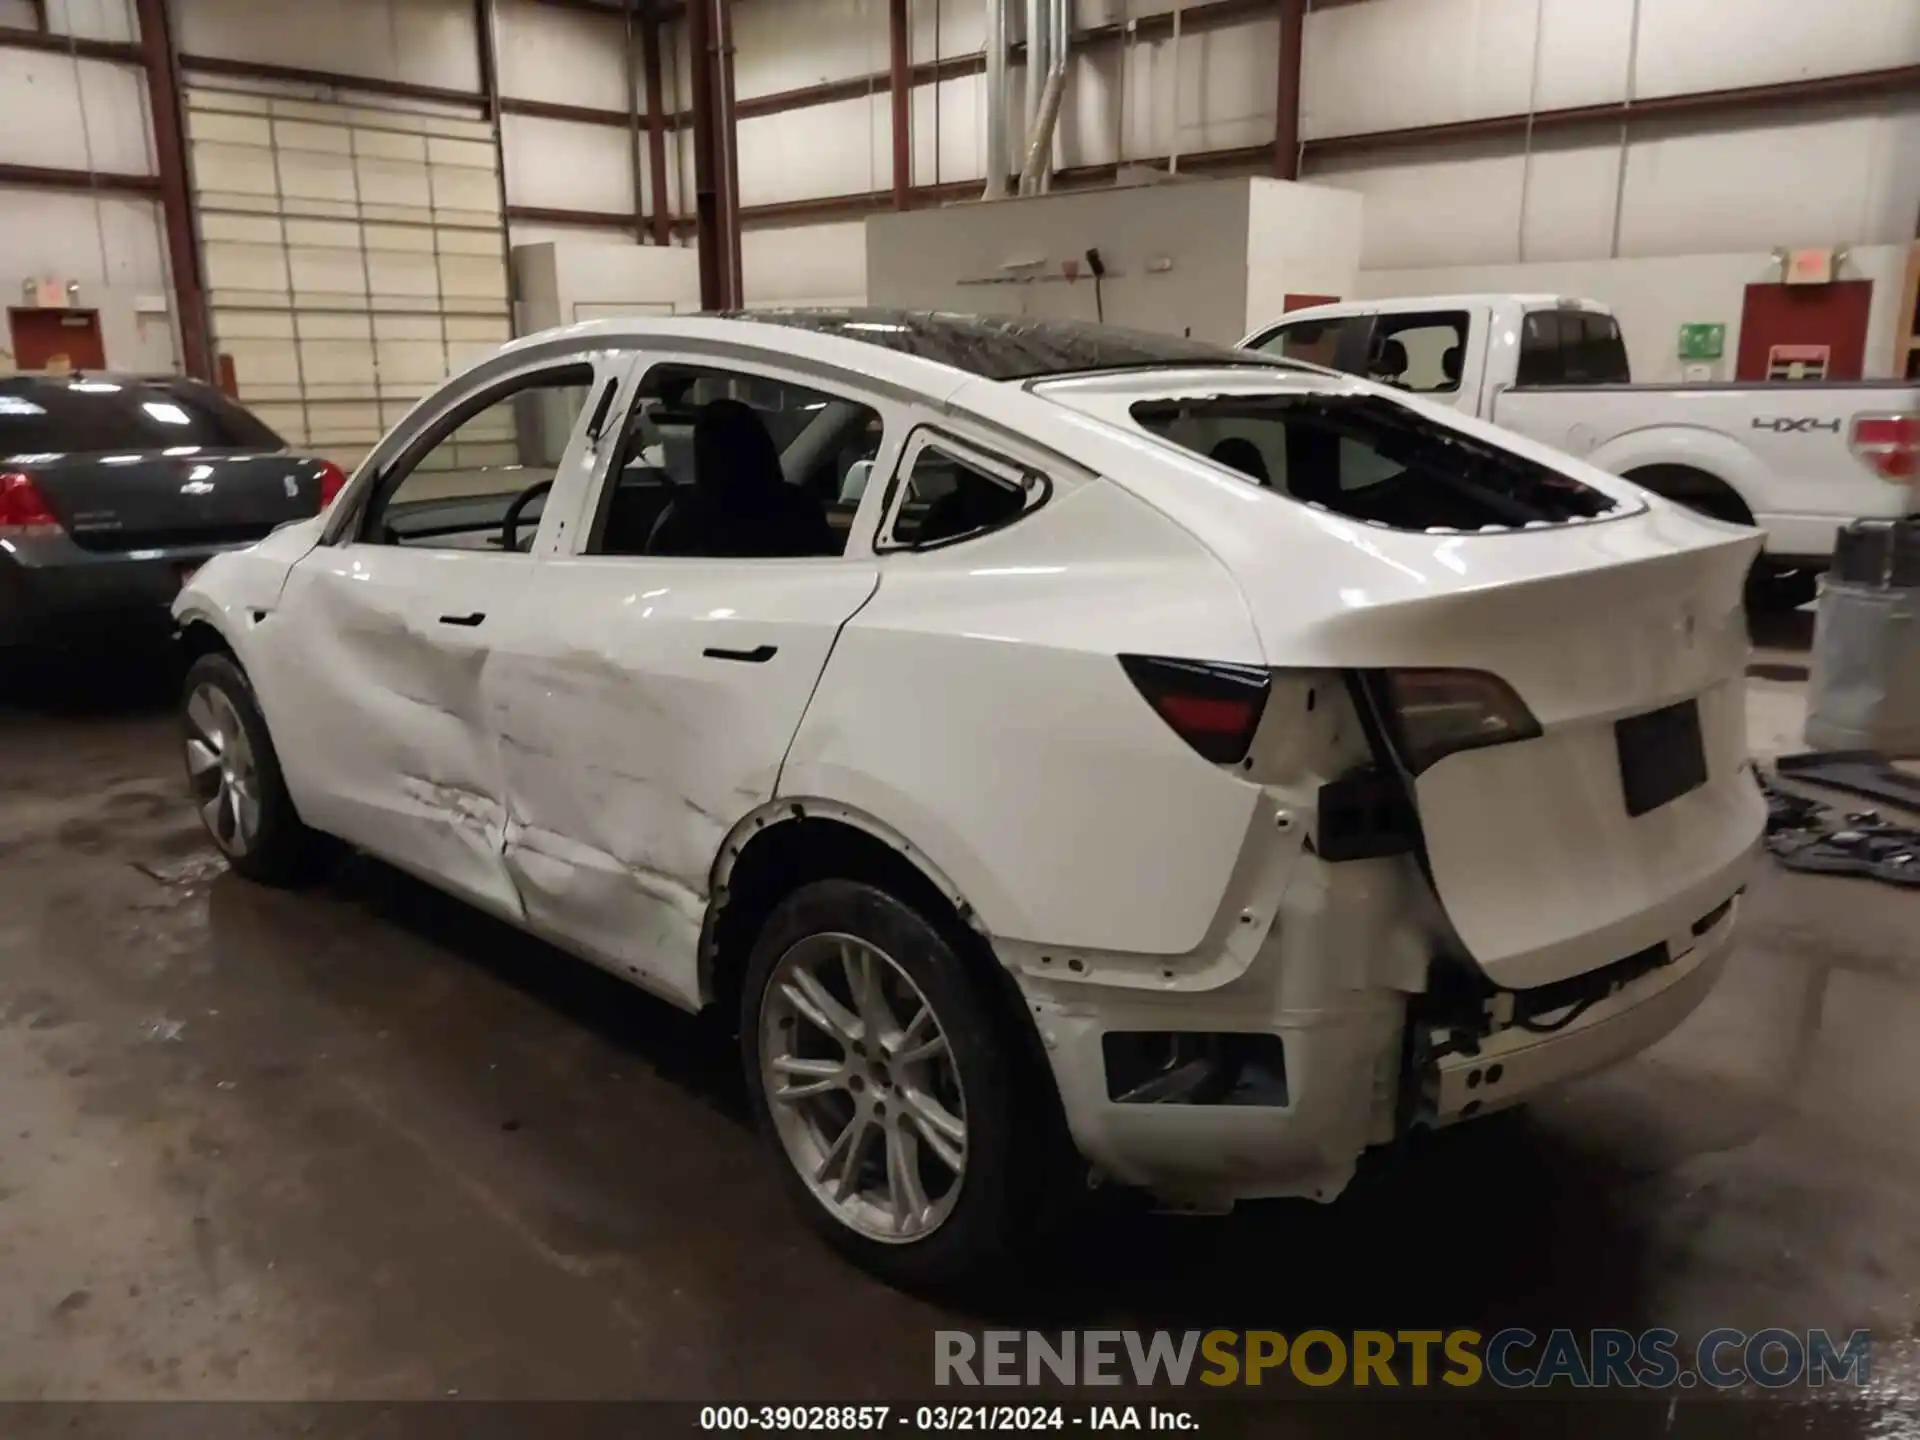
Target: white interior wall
[822,264]
[565,165]
[1179,258]
[565,56]
[1682,188]
[67,113]
[790,46]
[423,42]
[93,19]
[113,246]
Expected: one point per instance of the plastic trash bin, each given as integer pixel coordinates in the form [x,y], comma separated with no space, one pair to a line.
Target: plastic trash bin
[1864,686]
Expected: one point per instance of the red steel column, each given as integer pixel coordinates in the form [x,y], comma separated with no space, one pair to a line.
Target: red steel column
[662,217]
[900,78]
[162,65]
[728,129]
[706,195]
[1286,124]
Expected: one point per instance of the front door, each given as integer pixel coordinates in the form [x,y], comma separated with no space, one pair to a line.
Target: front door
[652,682]
[384,642]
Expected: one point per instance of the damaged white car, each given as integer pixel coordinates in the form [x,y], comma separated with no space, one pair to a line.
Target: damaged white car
[1038,735]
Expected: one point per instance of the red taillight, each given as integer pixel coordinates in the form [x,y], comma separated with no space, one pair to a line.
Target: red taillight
[1215,708]
[1888,445]
[332,481]
[23,509]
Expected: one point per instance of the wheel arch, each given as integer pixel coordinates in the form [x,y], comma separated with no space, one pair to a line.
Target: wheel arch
[1703,464]
[200,636]
[792,841]
[1697,489]
[781,845]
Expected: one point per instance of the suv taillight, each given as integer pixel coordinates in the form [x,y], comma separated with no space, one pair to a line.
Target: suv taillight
[23,509]
[332,481]
[1214,707]
[1888,445]
[1436,713]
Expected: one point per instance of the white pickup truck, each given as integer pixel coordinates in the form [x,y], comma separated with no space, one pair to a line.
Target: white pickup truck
[1796,459]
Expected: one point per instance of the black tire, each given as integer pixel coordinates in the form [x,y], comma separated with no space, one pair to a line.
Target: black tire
[996,1207]
[1772,590]
[281,850]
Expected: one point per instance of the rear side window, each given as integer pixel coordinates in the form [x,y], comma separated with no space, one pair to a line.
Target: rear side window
[952,493]
[1571,347]
[88,414]
[1371,459]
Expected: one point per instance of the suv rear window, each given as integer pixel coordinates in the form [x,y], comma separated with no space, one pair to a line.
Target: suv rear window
[1571,347]
[1371,459]
[83,414]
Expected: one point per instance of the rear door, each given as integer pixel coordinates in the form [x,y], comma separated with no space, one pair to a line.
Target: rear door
[378,683]
[646,701]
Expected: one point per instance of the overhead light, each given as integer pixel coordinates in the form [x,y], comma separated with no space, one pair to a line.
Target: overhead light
[880,326]
[94,387]
[165,411]
[16,405]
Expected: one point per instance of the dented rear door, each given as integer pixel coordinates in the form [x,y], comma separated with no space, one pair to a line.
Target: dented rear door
[645,707]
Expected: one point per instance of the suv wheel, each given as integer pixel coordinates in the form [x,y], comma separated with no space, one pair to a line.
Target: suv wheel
[878,1076]
[234,774]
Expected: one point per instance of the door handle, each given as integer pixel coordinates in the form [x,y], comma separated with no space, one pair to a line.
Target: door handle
[759,655]
[468,620]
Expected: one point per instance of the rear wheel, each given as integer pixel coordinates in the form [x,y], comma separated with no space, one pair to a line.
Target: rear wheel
[1771,587]
[235,777]
[1774,589]
[883,1087]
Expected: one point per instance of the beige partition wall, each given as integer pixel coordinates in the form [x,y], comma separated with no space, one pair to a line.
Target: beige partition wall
[354,256]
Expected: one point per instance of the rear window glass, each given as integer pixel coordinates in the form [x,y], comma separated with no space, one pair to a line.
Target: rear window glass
[1368,458]
[1571,347]
[43,415]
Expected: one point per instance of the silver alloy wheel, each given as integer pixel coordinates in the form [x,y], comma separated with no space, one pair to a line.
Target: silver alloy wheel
[852,1053]
[220,767]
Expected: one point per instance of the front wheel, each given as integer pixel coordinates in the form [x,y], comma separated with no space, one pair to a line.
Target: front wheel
[878,1075]
[234,773]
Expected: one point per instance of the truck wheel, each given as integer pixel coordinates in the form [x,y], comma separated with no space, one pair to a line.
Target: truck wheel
[1773,590]
[880,1079]
[235,777]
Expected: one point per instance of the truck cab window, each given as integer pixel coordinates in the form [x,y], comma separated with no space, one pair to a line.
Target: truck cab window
[1571,347]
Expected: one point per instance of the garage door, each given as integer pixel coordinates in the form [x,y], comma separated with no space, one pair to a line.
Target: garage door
[354,257]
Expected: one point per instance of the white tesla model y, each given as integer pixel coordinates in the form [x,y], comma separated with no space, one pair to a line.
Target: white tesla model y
[1035,733]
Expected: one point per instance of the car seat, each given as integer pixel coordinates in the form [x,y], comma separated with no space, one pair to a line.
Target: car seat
[740,504]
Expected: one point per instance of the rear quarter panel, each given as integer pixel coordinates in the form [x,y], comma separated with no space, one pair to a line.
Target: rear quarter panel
[976,707]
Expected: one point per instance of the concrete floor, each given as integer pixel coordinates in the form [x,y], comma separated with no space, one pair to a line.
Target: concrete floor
[362,1142]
